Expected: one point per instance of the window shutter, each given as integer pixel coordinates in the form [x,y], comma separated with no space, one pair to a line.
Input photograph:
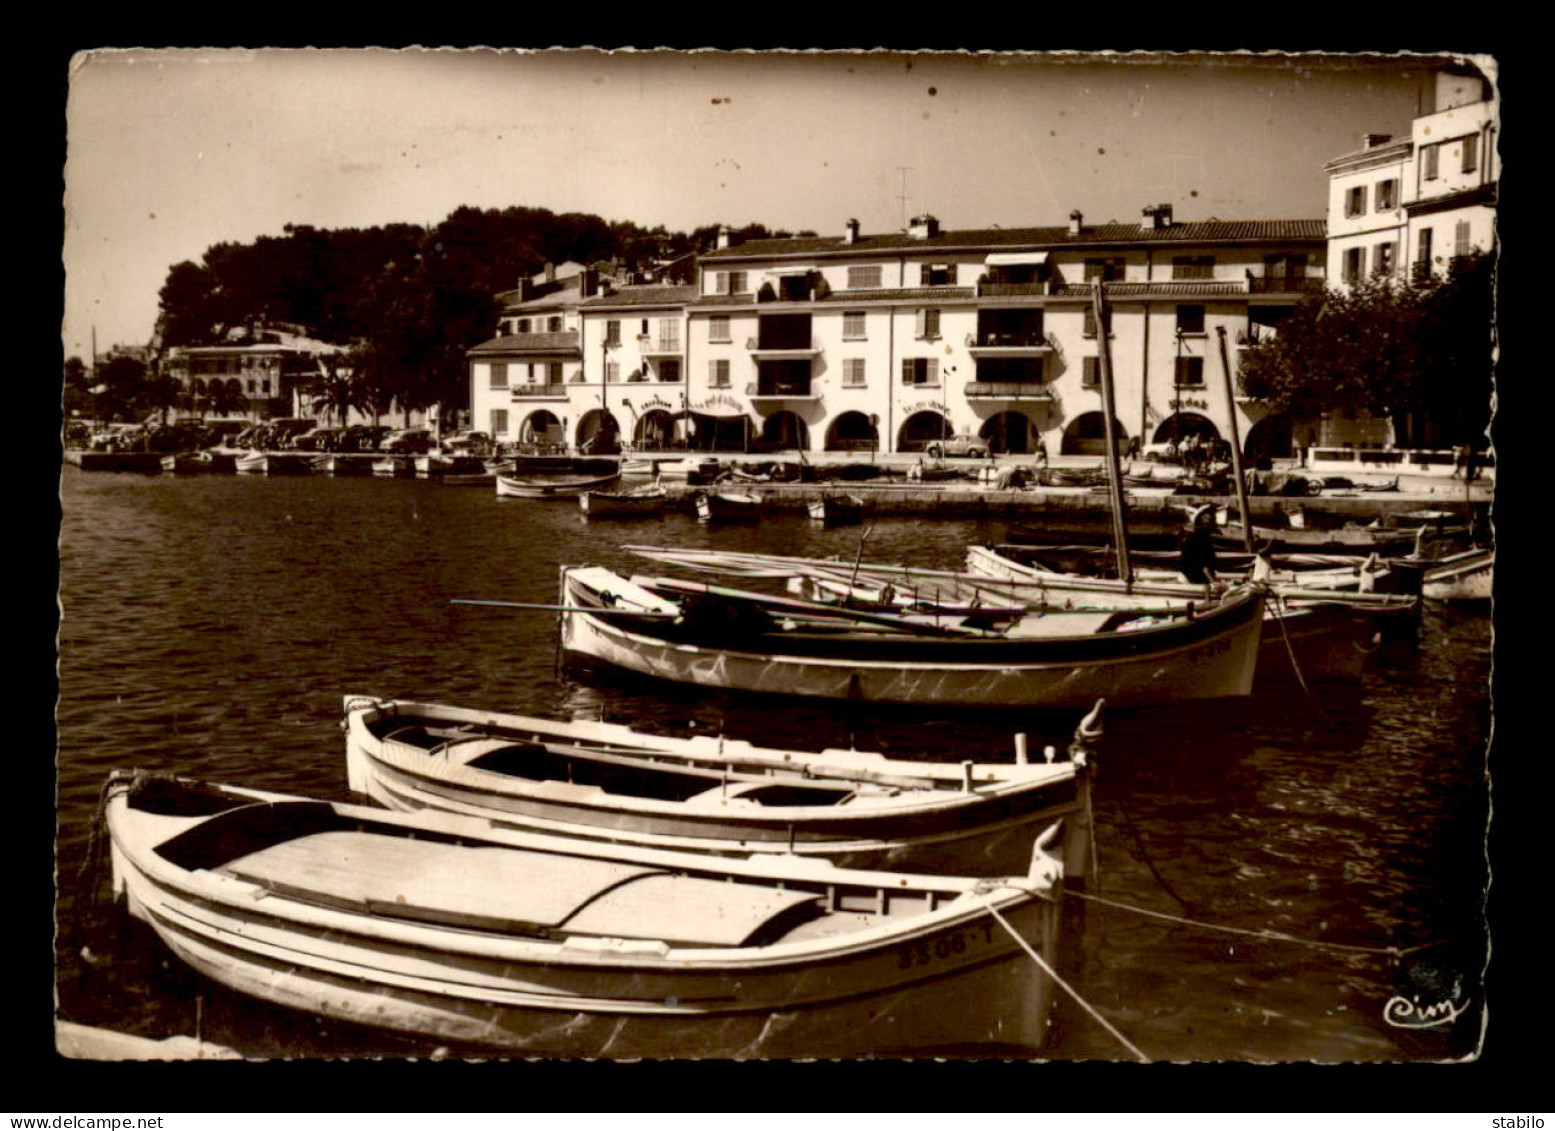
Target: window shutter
[925,274]
[907,370]
[931,374]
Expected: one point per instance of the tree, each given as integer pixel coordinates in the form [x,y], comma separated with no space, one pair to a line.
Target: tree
[336,391]
[1418,352]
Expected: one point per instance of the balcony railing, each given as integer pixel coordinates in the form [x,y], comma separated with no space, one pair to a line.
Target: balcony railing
[550,389]
[783,348]
[1009,390]
[781,390]
[1282,285]
[994,290]
[998,344]
[649,345]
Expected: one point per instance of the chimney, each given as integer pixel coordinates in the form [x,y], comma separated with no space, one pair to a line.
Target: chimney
[724,237]
[1075,219]
[550,273]
[526,289]
[1156,217]
[852,232]
[923,227]
[589,283]
[1371,141]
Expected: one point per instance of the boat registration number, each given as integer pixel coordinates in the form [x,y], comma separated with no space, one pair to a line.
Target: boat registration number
[948,945]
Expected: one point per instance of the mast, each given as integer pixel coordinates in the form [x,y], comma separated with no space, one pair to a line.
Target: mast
[1236,447]
[1114,474]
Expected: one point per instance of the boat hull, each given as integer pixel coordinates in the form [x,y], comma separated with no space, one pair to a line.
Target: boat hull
[599,504]
[717,507]
[510,488]
[1468,577]
[1217,660]
[947,976]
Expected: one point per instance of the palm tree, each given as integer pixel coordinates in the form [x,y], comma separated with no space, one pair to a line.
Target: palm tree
[336,390]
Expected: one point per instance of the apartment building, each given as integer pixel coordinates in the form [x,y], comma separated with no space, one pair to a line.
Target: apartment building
[266,369]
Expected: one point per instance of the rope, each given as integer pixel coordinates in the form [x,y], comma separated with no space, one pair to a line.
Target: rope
[1281,607]
[1267,935]
[1063,985]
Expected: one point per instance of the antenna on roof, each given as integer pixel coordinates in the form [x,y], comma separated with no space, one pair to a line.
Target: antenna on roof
[903,170]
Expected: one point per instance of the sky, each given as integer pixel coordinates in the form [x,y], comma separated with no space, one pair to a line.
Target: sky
[171,151]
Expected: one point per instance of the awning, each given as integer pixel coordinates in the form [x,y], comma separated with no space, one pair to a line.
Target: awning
[1017,258]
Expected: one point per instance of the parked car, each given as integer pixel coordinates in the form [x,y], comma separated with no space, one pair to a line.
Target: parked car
[414,441]
[961,444]
[469,443]
[318,440]
[363,437]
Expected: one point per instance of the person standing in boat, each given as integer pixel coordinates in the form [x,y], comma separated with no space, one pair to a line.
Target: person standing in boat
[1196,546]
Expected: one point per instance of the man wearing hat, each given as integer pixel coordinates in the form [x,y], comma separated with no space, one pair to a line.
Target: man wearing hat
[1196,545]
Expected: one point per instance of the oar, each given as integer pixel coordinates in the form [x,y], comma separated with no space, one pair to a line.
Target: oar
[601,611]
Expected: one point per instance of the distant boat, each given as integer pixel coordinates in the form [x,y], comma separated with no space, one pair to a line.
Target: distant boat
[438,463]
[640,503]
[274,463]
[603,781]
[184,463]
[394,467]
[510,488]
[445,927]
[728,506]
[837,510]
[341,465]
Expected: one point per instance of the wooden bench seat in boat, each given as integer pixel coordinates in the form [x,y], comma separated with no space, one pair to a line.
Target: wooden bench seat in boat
[517,891]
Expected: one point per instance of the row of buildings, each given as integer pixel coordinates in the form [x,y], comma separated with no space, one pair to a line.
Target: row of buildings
[891,341]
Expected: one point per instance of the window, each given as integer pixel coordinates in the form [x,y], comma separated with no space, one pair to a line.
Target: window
[928,323]
[1193,267]
[1355,201]
[729,283]
[1470,153]
[1190,320]
[920,371]
[718,373]
[1090,372]
[669,369]
[937,274]
[1429,160]
[1104,270]
[613,332]
[499,375]
[1387,195]
[521,326]
[669,334]
[1423,254]
[612,372]
[1462,243]
[553,372]
[1382,258]
[1090,322]
[499,422]
[863,278]
[553,324]
[853,325]
[718,328]
[1352,264]
[853,373]
[1190,371]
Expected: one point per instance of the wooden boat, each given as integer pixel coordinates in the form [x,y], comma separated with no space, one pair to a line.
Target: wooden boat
[184,463]
[728,506]
[336,465]
[601,781]
[219,461]
[1344,572]
[435,464]
[274,463]
[1057,658]
[1354,539]
[838,510]
[510,488]
[1466,576]
[639,503]
[395,467]
[445,927]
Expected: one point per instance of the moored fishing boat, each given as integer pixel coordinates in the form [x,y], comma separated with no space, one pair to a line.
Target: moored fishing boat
[1058,658]
[510,487]
[184,463]
[837,510]
[1466,576]
[443,926]
[337,465]
[603,781]
[274,463]
[640,503]
[435,464]
[728,506]
[394,467]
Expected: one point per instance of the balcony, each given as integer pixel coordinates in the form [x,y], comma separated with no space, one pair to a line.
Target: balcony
[553,389]
[1283,285]
[998,290]
[783,349]
[1008,391]
[649,345]
[767,391]
[1009,345]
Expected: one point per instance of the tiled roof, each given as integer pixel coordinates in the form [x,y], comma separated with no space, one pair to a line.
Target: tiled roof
[1203,288]
[1096,235]
[725,300]
[564,341]
[902,293]
[652,294]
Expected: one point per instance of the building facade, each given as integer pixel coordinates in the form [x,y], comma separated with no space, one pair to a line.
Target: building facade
[890,342]
[264,371]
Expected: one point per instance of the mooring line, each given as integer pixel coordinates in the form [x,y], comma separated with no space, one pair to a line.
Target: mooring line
[1267,935]
[1063,985]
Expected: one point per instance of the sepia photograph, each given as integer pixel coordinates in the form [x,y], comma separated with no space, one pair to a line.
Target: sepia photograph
[772,555]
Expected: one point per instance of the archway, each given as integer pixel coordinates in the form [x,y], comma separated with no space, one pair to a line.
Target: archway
[706,433]
[1181,425]
[1269,439]
[655,430]
[785,431]
[541,427]
[852,431]
[1008,432]
[1086,435]
[598,428]
[920,429]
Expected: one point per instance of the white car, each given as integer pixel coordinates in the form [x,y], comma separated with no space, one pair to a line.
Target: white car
[961,444]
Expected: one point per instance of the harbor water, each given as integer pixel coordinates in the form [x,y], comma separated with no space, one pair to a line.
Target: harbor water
[211,626]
